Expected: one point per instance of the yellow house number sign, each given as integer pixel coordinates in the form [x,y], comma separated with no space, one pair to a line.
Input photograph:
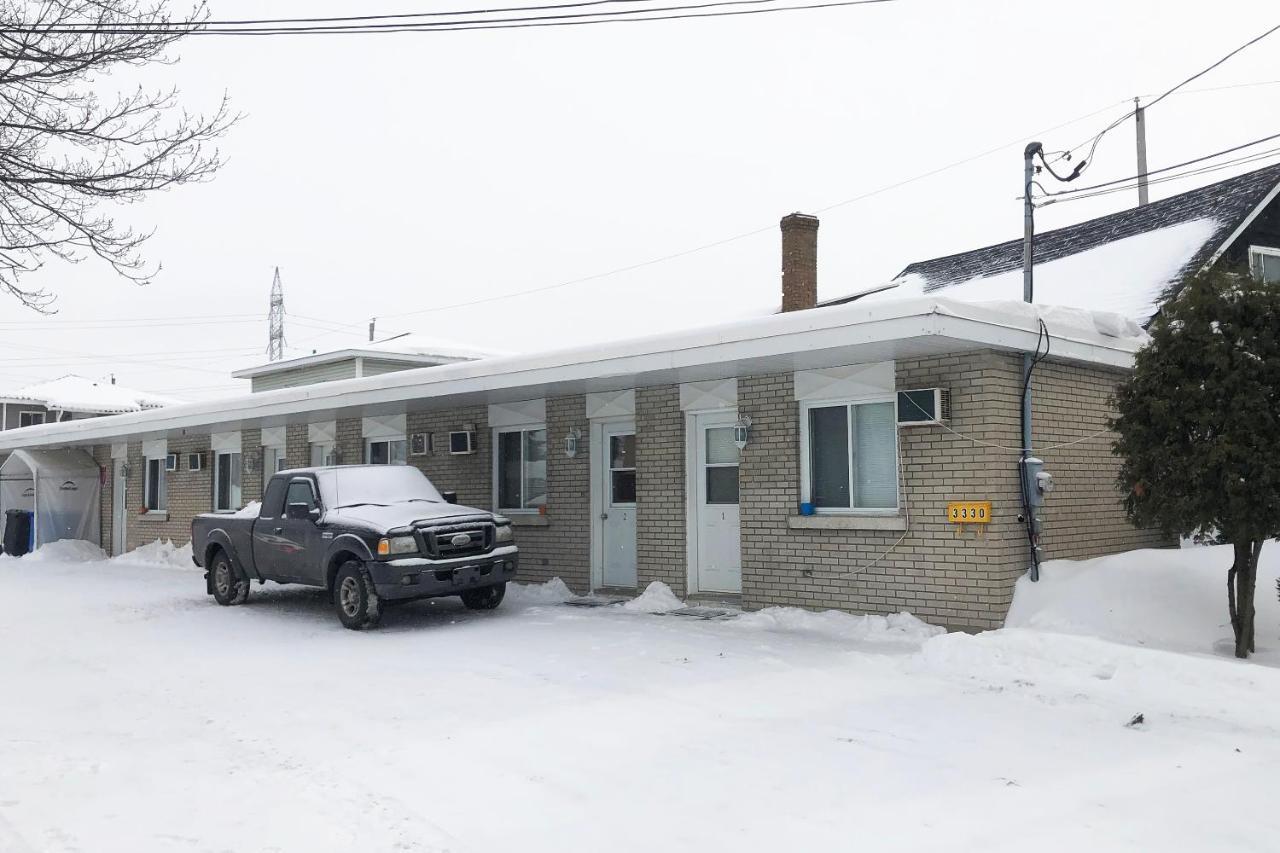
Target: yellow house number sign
[969,512]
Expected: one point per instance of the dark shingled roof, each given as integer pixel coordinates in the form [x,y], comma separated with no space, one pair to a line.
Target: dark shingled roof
[1228,201]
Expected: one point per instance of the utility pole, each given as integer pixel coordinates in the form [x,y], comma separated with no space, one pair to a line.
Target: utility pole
[1140,126]
[372,322]
[1028,294]
[275,342]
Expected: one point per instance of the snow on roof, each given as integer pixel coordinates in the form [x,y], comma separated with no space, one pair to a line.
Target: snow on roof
[1230,203]
[73,393]
[1125,276]
[857,333]
[411,348]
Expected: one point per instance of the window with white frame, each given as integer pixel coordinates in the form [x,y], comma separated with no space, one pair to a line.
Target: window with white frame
[386,451]
[226,481]
[850,455]
[26,419]
[520,468]
[153,484]
[1264,262]
[322,453]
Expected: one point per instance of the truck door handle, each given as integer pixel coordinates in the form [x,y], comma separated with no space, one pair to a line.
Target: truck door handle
[279,530]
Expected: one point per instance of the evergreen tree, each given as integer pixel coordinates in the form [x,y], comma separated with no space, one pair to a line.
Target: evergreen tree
[1199,426]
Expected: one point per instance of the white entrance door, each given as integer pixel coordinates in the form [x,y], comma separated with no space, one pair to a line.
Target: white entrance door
[119,514]
[717,549]
[616,480]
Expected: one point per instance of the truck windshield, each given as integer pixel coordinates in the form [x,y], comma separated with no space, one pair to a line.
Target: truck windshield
[375,484]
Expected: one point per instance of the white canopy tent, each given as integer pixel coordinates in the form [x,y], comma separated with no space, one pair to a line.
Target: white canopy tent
[62,487]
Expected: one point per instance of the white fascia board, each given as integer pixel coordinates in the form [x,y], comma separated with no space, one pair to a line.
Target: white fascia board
[338,355]
[802,339]
[1244,223]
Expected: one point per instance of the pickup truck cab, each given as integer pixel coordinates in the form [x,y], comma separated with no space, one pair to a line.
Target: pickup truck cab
[369,534]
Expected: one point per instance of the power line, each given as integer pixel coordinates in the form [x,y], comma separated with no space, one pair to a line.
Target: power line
[384,17]
[1204,170]
[1231,150]
[680,12]
[1095,140]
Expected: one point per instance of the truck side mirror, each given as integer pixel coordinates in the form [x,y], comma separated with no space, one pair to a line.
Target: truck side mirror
[302,512]
[449,497]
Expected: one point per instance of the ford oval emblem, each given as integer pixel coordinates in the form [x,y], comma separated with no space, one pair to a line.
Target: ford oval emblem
[460,539]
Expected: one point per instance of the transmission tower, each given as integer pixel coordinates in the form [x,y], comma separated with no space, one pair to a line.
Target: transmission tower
[275,344]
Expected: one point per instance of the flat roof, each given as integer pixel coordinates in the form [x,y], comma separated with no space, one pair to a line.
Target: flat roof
[855,333]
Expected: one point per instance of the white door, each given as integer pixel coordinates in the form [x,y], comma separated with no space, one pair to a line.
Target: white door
[715,466]
[616,478]
[119,501]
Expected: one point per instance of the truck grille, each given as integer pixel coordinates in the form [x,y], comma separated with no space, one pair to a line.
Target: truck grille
[445,541]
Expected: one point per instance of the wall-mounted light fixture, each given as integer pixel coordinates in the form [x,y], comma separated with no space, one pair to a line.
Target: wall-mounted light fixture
[571,442]
[742,431]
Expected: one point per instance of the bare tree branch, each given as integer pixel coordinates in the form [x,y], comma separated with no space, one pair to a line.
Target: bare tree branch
[67,156]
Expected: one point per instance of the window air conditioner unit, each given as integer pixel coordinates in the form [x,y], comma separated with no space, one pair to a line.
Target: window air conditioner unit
[462,442]
[195,461]
[171,462]
[924,406]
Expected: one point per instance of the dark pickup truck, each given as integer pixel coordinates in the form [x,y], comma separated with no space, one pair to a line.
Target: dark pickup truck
[369,534]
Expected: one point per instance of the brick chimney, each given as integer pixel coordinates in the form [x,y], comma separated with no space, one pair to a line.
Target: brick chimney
[799,262]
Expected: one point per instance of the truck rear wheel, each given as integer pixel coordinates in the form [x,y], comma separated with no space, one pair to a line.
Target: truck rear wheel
[228,586]
[484,598]
[355,598]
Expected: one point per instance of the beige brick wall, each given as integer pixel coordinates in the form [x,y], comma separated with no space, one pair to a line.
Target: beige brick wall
[660,485]
[934,571]
[189,494]
[1084,516]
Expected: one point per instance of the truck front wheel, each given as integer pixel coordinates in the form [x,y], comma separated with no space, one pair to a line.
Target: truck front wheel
[355,597]
[484,598]
[228,586]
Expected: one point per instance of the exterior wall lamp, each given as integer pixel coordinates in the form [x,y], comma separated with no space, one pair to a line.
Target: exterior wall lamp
[571,442]
[742,431]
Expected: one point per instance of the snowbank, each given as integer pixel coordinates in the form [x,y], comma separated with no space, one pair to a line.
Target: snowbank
[159,553]
[66,551]
[553,591]
[656,598]
[838,625]
[1173,599]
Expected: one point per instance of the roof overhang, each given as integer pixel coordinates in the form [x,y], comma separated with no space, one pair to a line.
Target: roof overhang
[343,355]
[801,340]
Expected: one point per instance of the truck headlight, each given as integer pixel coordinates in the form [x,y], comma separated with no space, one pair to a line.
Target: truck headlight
[397,545]
[505,534]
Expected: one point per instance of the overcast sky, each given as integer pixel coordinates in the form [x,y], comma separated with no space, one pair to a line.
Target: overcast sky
[401,173]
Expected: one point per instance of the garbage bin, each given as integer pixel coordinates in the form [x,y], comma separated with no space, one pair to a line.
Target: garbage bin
[17,532]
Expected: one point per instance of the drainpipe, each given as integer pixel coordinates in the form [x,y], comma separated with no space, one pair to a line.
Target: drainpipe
[1028,292]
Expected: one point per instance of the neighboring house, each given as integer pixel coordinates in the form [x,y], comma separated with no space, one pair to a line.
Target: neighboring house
[402,352]
[805,458]
[1127,262]
[69,397]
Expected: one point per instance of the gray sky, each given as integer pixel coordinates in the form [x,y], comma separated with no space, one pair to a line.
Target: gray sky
[401,173]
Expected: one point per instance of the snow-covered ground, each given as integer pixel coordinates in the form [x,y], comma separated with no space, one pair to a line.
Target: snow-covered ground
[139,716]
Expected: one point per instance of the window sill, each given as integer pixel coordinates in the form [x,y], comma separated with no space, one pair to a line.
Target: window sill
[529,520]
[847,522]
[154,515]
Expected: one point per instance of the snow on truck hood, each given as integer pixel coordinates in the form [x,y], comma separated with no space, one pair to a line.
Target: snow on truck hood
[405,513]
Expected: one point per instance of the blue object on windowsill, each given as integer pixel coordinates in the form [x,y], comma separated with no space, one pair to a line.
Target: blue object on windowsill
[806,509]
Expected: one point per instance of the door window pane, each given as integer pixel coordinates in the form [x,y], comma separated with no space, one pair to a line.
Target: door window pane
[722,484]
[875,463]
[273,500]
[720,447]
[509,475]
[535,467]
[623,489]
[829,456]
[622,451]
